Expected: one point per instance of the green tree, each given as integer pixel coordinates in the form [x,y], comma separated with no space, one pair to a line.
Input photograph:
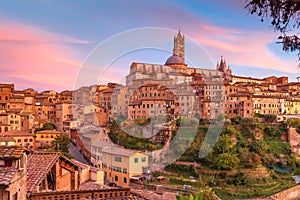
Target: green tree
[223,145]
[258,146]
[269,118]
[298,128]
[227,161]
[230,130]
[191,197]
[46,126]
[61,143]
[284,17]
[208,194]
[270,131]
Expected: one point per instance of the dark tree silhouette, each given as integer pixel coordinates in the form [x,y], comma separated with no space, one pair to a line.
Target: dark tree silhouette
[284,17]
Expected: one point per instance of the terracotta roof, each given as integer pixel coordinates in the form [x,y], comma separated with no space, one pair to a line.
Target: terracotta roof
[6,139]
[91,185]
[16,133]
[7,174]
[119,151]
[37,168]
[49,132]
[242,77]
[39,164]
[11,152]
[267,96]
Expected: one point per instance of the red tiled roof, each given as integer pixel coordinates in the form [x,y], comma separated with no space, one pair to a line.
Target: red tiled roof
[90,185]
[16,133]
[39,164]
[48,132]
[7,174]
[6,139]
[11,152]
[37,168]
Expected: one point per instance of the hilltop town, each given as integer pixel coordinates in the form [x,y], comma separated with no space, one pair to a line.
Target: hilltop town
[121,130]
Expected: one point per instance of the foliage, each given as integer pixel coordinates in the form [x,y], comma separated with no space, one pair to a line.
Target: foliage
[206,194]
[46,126]
[227,161]
[269,118]
[284,17]
[235,120]
[143,121]
[294,122]
[247,121]
[187,170]
[271,131]
[191,197]
[258,146]
[61,143]
[130,142]
[230,130]
[298,129]
[223,144]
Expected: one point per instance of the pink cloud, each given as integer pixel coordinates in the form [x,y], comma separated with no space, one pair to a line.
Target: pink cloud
[37,58]
[241,47]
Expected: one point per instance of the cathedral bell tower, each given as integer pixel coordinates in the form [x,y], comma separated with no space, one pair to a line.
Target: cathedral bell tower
[179,45]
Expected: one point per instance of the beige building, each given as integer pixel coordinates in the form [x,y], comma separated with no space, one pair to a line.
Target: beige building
[7,141]
[46,137]
[45,112]
[4,127]
[21,138]
[96,151]
[152,100]
[6,91]
[119,164]
[13,119]
[292,106]
[13,173]
[64,116]
[270,104]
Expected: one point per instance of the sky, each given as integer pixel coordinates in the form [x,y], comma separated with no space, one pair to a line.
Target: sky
[48,44]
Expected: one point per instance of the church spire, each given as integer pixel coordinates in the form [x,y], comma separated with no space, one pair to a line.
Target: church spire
[179,45]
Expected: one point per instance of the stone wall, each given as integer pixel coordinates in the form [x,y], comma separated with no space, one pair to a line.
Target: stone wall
[82,194]
[294,139]
[289,194]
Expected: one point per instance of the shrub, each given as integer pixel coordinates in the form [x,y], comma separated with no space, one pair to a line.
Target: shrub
[227,161]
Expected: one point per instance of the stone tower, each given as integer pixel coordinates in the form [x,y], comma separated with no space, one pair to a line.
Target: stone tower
[179,45]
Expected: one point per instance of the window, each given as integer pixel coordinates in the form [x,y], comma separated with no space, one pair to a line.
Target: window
[117,159]
[8,163]
[125,180]
[136,160]
[125,170]
[143,159]
[116,178]
[15,196]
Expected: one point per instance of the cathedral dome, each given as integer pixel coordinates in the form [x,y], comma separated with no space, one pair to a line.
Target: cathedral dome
[174,60]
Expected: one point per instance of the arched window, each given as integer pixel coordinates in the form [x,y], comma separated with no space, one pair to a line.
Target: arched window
[19,140]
